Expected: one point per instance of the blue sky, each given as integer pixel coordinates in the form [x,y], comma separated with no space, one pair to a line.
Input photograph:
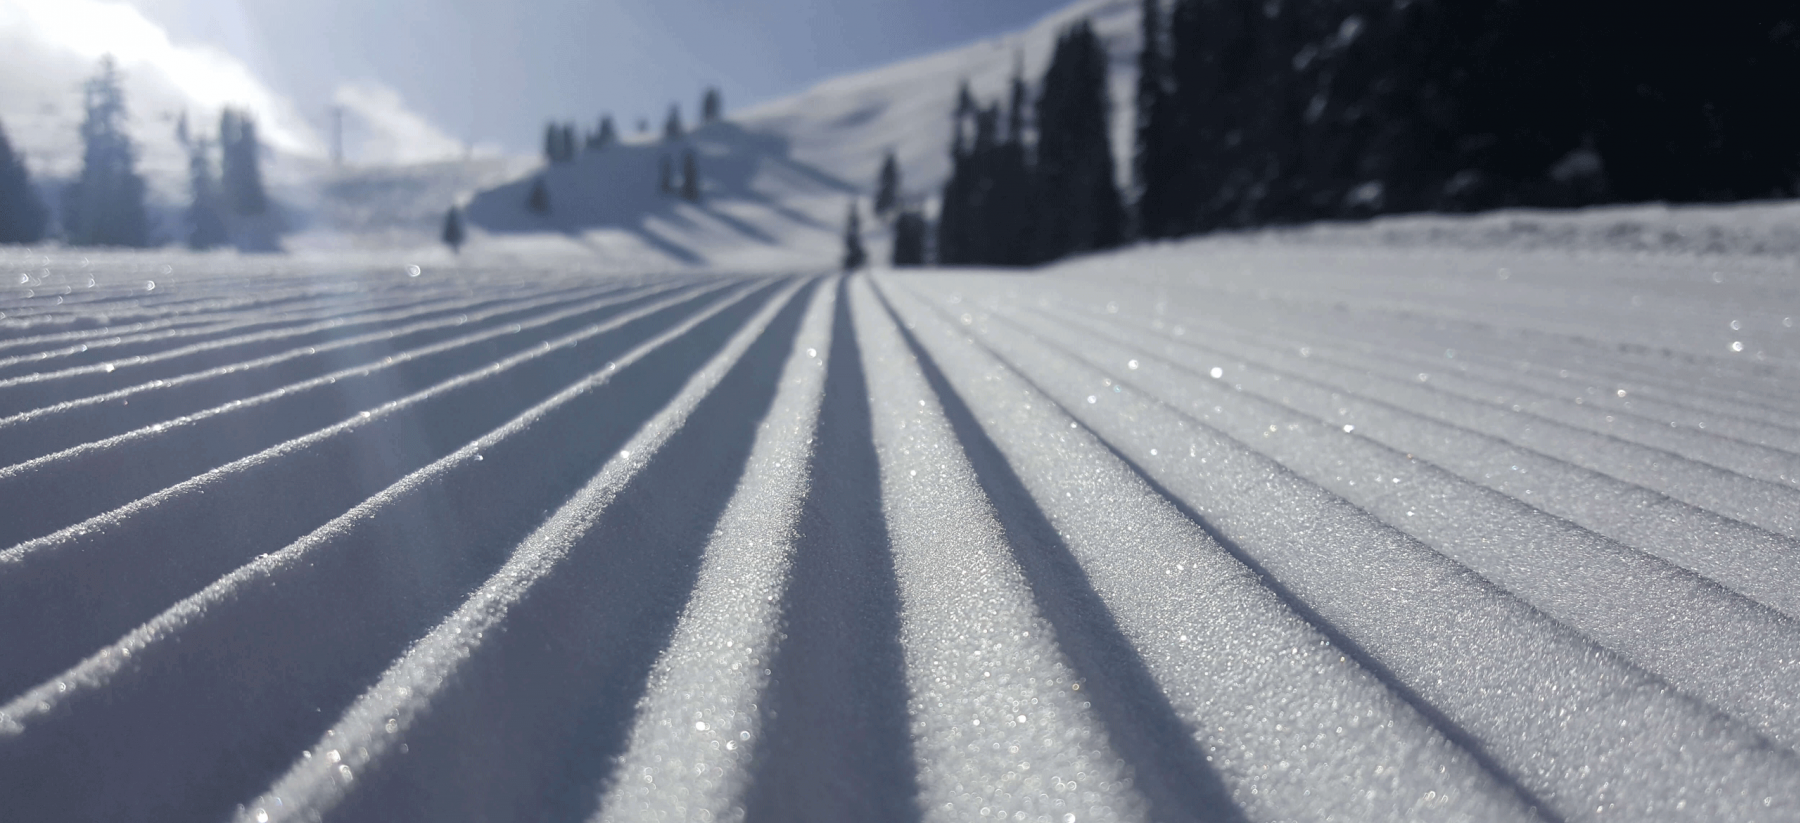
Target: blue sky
[492,72]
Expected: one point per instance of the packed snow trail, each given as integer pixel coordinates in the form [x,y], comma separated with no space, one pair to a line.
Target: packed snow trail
[1225,530]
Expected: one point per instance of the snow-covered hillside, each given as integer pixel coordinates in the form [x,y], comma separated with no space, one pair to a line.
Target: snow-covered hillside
[846,124]
[758,207]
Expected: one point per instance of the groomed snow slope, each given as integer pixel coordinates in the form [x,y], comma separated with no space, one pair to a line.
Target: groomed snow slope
[1234,529]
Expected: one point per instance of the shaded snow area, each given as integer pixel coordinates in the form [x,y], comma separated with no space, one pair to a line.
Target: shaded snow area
[1330,524]
[754,205]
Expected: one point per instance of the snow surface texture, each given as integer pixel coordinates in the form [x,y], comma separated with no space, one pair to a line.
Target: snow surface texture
[1325,525]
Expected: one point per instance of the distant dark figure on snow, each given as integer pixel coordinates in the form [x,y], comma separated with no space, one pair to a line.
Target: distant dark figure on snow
[854,256]
[887,187]
[909,239]
[539,200]
[453,229]
[690,178]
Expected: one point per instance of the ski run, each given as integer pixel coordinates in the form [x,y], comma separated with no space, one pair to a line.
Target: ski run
[1222,530]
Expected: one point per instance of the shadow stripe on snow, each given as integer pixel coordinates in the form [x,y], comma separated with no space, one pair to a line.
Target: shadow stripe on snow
[29,435]
[833,739]
[1711,642]
[63,595]
[1252,673]
[1511,684]
[166,452]
[1406,417]
[48,388]
[155,348]
[210,701]
[518,704]
[1165,762]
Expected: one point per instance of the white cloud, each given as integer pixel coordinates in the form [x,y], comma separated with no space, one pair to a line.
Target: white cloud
[53,44]
[390,132]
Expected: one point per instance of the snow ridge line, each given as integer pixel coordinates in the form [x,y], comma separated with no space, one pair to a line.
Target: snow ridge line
[347,597]
[1489,662]
[1679,533]
[211,522]
[250,378]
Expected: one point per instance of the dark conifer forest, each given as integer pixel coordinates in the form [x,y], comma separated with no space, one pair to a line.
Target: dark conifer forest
[1283,111]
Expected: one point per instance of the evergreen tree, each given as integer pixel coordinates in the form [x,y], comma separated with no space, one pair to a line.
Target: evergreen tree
[672,129]
[909,239]
[205,220]
[552,143]
[22,212]
[539,199]
[987,214]
[1079,205]
[665,176]
[690,178]
[240,164]
[887,187]
[1152,174]
[453,229]
[854,256]
[605,136]
[568,142]
[711,106]
[105,204]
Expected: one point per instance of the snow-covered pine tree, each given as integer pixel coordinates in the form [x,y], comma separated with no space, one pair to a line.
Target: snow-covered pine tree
[690,177]
[453,229]
[854,255]
[711,106]
[22,212]
[104,206]
[887,186]
[672,129]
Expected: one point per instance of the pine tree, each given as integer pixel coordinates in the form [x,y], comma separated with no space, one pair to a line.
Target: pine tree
[453,229]
[887,187]
[539,199]
[552,143]
[711,106]
[205,222]
[909,239]
[690,178]
[1080,209]
[240,166]
[22,212]
[1152,172]
[854,256]
[672,129]
[105,204]
[605,136]
[568,142]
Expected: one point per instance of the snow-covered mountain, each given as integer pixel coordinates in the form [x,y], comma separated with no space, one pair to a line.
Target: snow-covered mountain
[778,175]
[844,125]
